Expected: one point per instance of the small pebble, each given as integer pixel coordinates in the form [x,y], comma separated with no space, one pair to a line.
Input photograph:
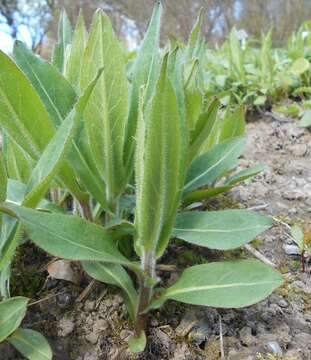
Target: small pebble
[274,348]
[89,305]
[92,337]
[64,301]
[291,249]
[66,327]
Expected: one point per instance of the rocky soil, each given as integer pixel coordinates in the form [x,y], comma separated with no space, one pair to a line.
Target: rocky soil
[96,327]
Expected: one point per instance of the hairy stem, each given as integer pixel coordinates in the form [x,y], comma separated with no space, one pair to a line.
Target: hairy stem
[114,205]
[148,264]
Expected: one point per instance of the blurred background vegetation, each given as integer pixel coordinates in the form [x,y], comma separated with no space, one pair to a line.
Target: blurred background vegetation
[35,21]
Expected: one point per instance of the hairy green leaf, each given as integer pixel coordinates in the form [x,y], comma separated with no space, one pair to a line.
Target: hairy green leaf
[233,125]
[159,166]
[3,177]
[58,97]
[52,158]
[244,174]
[230,284]
[12,312]
[31,344]
[22,113]
[221,230]
[67,236]
[73,66]
[11,234]
[298,236]
[203,128]
[106,113]
[49,163]
[204,194]
[54,90]
[64,40]
[236,56]
[19,163]
[194,38]
[144,72]
[209,166]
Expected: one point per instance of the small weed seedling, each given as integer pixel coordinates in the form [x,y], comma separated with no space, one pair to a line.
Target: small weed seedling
[303,239]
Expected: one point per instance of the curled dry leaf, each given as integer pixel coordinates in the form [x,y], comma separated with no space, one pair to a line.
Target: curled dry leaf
[64,270]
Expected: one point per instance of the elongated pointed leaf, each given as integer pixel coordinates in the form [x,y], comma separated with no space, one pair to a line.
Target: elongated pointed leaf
[194,38]
[106,114]
[221,230]
[64,39]
[11,234]
[88,177]
[144,70]
[159,166]
[61,108]
[3,186]
[233,125]
[16,191]
[203,128]
[79,156]
[22,113]
[19,164]
[204,194]
[73,65]
[223,284]
[58,102]
[16,195]
[209,166]
[68,237]
[54,90]
[31,344]
[244,175]
[114,274]
[298,236]
[175,75]
[236,56]
[198,195]
[266,60]
[12,312]
[49,163]
[52,158]
[4,179]
[193,99]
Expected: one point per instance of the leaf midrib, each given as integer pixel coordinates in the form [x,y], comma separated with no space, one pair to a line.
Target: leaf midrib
[211,287]
[212,167]
[220,230]
[60,117]
[70,241]
[21,339]
[20,126]
[125,288]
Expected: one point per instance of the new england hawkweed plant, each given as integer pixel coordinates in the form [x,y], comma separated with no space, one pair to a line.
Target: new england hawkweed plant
[132,146]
